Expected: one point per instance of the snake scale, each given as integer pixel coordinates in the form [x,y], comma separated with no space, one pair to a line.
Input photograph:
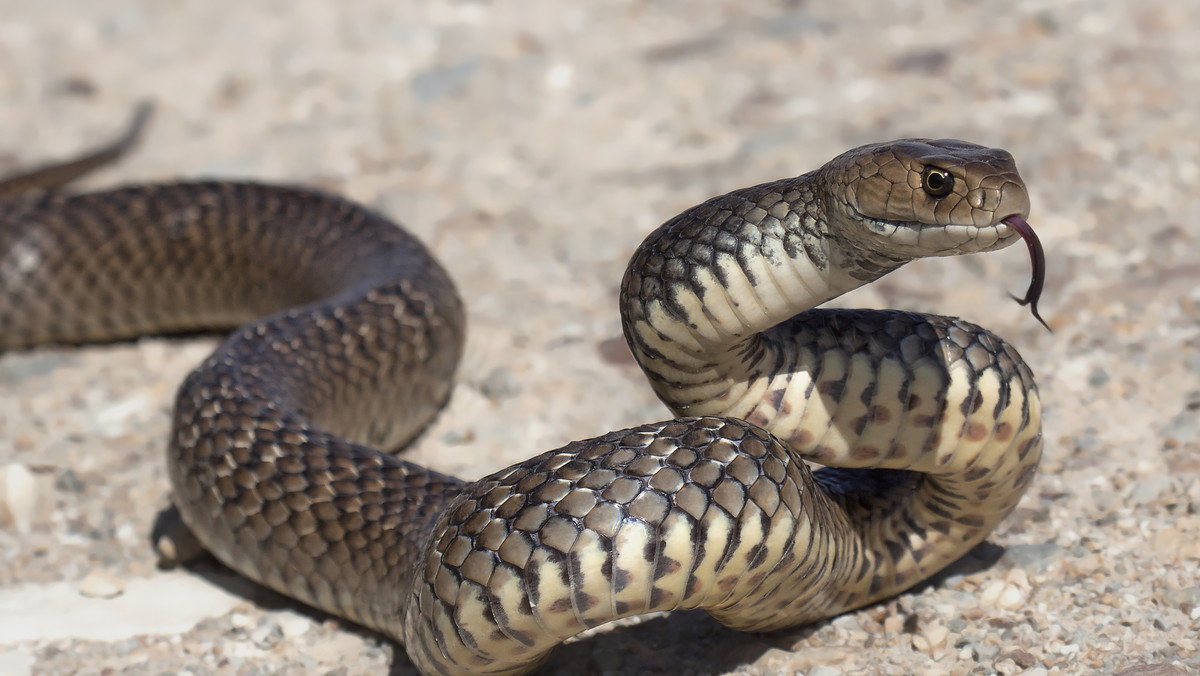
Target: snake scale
[348,334]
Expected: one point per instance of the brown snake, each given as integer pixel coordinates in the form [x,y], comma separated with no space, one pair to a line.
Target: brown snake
[931,426]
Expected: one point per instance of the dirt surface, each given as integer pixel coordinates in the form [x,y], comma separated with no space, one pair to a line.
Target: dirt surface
[533,144]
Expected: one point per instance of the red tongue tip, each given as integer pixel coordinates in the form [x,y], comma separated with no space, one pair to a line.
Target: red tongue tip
[1038,258]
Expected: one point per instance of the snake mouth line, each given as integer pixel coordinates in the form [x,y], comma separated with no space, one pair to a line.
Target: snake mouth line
[960,234]
[1038,258]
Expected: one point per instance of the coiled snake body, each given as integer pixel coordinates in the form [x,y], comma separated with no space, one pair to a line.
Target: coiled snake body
[351,332]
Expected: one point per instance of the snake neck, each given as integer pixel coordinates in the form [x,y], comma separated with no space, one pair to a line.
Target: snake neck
[702,294]
[718,307]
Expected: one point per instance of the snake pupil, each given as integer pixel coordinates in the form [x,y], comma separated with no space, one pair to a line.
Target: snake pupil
[937,182]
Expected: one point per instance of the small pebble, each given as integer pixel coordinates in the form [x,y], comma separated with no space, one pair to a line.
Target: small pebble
[1007,667]
[1150,488]
[267,633]
[1012,598]
[241,649]
[101,585]
[239,620]
[921,644]
[986,653]
[457,437]
[1017,578]
[1188,595]
[1023,658]
[499,384]
[936,635]
[68,481]
[19,494]
[293,624]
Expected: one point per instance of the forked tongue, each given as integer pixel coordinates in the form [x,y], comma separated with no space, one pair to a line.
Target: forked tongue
[1038,258]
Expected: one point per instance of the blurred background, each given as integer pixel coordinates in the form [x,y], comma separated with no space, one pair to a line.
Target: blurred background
[532,145]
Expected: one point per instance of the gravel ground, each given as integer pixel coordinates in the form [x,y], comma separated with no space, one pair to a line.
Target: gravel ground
[533,144]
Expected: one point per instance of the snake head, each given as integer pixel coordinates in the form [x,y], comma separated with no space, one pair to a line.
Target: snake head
[914,198]
[919,197]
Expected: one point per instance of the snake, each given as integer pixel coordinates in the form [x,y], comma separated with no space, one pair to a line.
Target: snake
[345,338]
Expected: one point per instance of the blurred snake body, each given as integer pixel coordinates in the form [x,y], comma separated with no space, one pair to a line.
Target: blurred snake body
[349,336]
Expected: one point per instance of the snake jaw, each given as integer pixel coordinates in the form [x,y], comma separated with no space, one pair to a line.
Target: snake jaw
[1037,258]
[915,239]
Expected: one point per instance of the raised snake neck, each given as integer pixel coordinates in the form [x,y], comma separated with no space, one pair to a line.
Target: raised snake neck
[934,422]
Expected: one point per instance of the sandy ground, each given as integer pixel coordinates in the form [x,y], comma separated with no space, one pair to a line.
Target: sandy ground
[532,145]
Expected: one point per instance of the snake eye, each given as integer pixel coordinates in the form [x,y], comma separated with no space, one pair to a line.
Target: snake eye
[937,182]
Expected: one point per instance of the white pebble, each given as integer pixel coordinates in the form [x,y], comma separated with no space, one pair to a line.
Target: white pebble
[241,649]
[294,624]
[101,585]
[1069,650]
[239,620]
[921,644]
[991,592]
[20,496]
[1012,597]
[1018,577]
[127,534]
[560,76]
[893,624]
[936,634]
